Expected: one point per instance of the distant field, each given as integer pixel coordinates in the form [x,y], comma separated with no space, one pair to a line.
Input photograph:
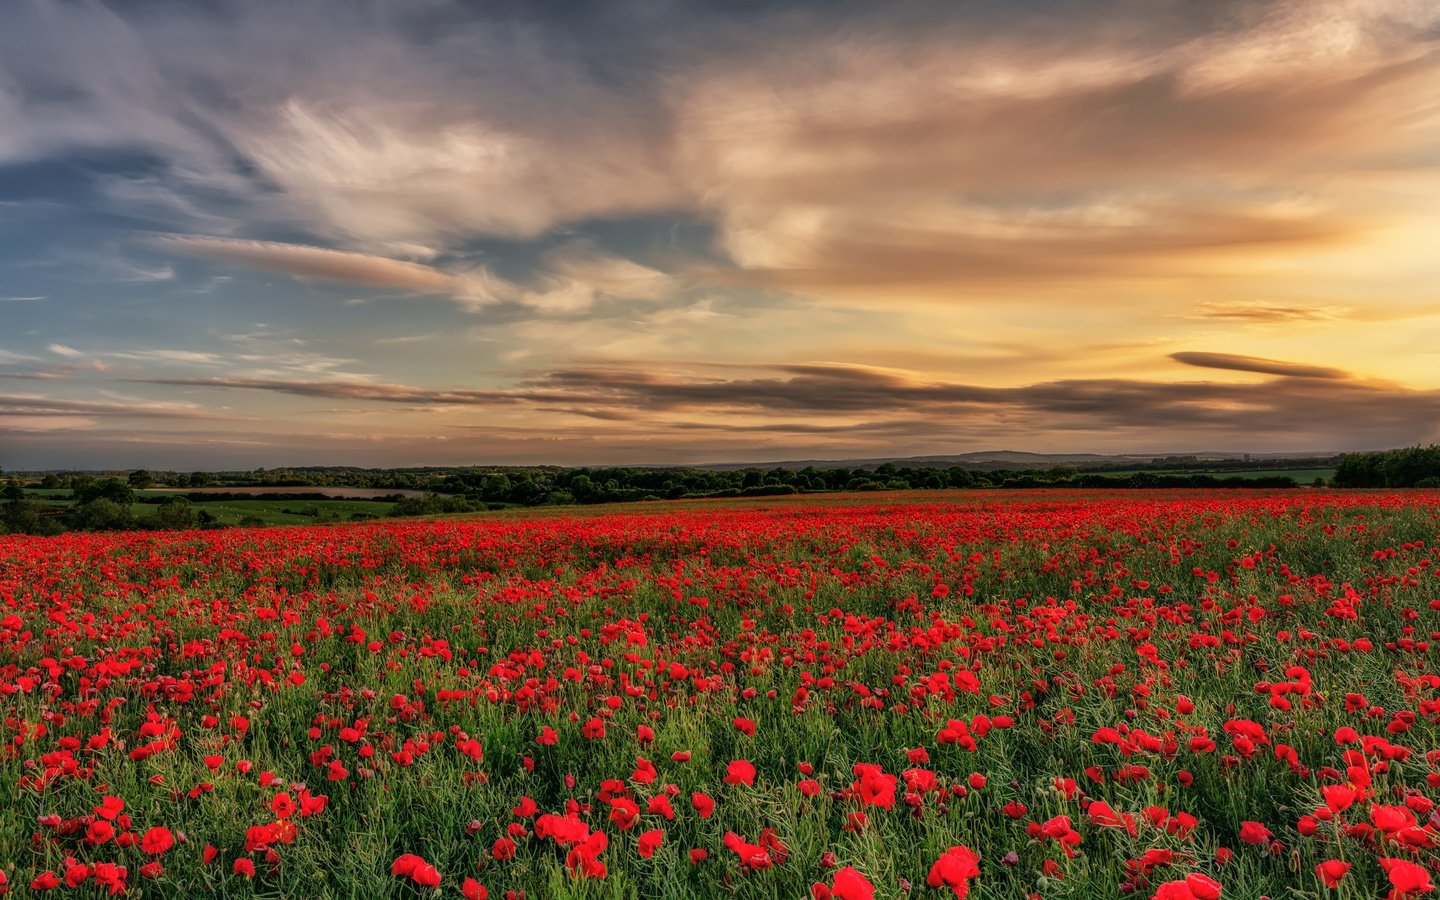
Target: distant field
[1301,476]
[339,493]
[230,512]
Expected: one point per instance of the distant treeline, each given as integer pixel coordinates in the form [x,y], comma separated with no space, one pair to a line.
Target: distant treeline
[1403,468]
[470,490]
[222,496]
[105,503]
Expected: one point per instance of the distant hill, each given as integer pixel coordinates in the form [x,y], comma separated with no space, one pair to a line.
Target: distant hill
[990,460]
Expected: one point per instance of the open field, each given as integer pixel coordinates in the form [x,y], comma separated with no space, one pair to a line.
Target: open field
[334,493]
[269,512]
[918,694]
[273,512]
[1301,476]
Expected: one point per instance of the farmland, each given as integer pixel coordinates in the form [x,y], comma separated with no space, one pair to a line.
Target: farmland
[246,508]
[1040,694]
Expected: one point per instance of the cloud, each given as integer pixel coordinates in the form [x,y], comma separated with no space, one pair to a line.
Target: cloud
[937,244]
[1311,406]
[829,151]
[300,261]
[480,124]
[348,390]
[573,277]
[1234,363]
[37,406]
[579,273]
[883,166]
[67,352]
[1266,314]
[692,180]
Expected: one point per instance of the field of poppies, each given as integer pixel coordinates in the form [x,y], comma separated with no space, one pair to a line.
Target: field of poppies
[1173,696]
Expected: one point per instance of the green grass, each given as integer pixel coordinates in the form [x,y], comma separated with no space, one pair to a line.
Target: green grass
[229,512]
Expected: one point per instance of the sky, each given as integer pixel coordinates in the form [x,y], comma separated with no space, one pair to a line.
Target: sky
[435,232]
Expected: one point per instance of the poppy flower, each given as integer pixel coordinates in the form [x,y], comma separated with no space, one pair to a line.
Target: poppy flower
[1407,879]
[1331,871]
[45,881]
[583,859]
[473,890]
[624,813]
[848,884]
[502,849]
[110,808]
[740,771]
[416,869]
[650,841]
[157,840]
[954,869]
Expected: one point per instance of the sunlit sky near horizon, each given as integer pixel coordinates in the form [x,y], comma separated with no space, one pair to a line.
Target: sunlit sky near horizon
[433,232]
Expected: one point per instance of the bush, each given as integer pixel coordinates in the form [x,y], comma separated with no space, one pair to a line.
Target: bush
[101,515]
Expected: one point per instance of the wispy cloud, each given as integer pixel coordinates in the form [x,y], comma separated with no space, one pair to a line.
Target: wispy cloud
[1316,404]
[1266,313]
[821,166]
[323,264]
[746,184]
[573,277]
[1234,363]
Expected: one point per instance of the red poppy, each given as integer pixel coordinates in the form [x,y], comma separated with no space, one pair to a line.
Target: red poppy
[848,884]
[954,869]
[650,841]
[473,890]
[740,771]
[1331,871]
[416,869]
[157,840]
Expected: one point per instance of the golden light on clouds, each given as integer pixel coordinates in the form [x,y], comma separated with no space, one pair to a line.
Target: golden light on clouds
[624,231]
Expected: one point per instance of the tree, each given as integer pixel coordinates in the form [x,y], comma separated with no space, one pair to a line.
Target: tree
[582,487]
[30,517]
[12,490]
[175,513]
[112,489]
[495,486]
[140,479]
[101,514]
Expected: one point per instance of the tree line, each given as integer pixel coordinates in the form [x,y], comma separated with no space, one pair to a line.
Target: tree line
[1406,467]
[105,503]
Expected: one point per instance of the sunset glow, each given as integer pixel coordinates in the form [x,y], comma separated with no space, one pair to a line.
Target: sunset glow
[439,232]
